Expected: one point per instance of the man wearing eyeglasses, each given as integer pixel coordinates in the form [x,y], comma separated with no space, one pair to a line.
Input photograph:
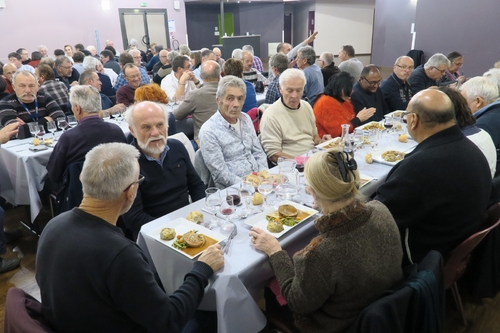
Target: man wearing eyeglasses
[125,94]
[181,80]
[367,93]
[427,75]
[396,88]
[65,72]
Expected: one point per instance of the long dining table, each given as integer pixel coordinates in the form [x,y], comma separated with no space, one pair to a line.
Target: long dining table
[234,290]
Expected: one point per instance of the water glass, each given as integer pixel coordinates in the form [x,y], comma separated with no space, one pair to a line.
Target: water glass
[51,127]
[247,190]
[374,138]
[227,208]
[62,123]
[213,200]
[33,129]
[72,121]
[41,131]
[265,188]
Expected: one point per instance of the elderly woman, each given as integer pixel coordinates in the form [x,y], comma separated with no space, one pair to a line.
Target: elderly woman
[334,108]
[153,93]
[452,75]
[356,256]
[235,67]
[466,122]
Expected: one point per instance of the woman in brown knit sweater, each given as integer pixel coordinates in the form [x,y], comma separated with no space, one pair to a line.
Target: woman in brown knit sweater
[356,256]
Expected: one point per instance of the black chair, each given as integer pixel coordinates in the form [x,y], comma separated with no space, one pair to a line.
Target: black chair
[112,99]
[186,126]
[417,56]
[71,194]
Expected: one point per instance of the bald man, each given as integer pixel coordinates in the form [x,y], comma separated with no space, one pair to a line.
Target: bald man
[439,193]
[218,57]
[8,71]
[396,89]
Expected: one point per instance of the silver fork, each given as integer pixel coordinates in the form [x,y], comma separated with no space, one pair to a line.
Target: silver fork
[229,240]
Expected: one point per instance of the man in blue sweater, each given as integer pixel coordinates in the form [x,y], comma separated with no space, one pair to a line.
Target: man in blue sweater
[170,177]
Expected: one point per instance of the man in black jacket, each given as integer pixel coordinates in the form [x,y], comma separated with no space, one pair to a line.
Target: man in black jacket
[367,93]
[396,88]
[439,193]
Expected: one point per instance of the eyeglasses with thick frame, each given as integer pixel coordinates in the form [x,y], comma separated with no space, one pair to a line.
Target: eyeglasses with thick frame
[138,182]
[373,83]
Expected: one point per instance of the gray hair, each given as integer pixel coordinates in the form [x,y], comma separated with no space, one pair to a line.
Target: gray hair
[248,48]
[132,52]
[108,169]
[309,54]
[61,60]
[480,86]
[42,47]
[230,81]
[280,61]
[158,48]
[206,53]
[85,76]
[171,55]
[437,60]
[292,73]
[133,42]
[48,61]
[237,54]
[184,50]
[87,97]
[90,62]
[130,110]
[24,73]
[494,76]
[213,74]
[327,57]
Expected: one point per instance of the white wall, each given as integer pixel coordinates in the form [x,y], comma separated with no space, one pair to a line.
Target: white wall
[341,24]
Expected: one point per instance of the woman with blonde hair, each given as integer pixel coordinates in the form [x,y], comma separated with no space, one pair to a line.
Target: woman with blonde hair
[356,256]
[153,93]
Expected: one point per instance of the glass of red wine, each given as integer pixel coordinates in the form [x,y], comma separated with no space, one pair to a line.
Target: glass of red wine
[227,209]
[388,123]
[233,192]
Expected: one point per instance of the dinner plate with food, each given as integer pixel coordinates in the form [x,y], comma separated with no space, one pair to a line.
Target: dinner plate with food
[332,143]
[186,237]
[373,125]
[390,156]
[254,177]
[396,114]
[278,221]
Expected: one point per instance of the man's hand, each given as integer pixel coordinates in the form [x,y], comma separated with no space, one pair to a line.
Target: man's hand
[20,121]
[366,114]
[213,256]
[119,107]
[9,131]
[186,76]
[311,38]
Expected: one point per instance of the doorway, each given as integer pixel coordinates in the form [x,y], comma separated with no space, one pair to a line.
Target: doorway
[310,26]
[146,25]
[287,29]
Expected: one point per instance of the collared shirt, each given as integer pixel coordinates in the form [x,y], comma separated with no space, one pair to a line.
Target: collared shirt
[120,80]
[57,90]
[273,91]
[170,83]
[257,64]
[162,156]
[480,112]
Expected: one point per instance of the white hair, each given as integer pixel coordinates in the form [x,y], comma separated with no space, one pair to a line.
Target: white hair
[494,76]
[248,48]
[480,86]
[90,62]
[437,60]
[292,73]
[132,52]
[87,97]
[42,47]
[108,169]
[237,54]
[230,81]
[130,110]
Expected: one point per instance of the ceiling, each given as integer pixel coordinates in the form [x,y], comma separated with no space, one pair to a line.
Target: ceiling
[243,1]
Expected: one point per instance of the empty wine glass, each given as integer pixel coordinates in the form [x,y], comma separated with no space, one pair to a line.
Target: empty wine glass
[212,200]
[116,114]
[51,127]
[374,138]
[105,115]
[33,128]
[41,131]
[62,123]
[72,121]
[227,208]
[265,188]
[171,103]
[247,190]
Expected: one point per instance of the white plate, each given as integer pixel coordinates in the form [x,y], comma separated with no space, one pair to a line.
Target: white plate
[260,221]
[364,127]
[181,226]
[326,143]
[364,180]
[396,114]
[379,158]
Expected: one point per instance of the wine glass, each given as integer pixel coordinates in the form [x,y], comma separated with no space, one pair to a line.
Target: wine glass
[374,138]
[212,200]
[33,129]
[72,121]
[41,131]
[51,127]
[247,190]
[227,208]
[62,123]
[105,115]
[171,103]
[265,188]
[116,114]
[388,123]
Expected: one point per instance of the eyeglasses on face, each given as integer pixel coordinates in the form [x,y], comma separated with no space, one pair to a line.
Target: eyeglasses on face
[373,83]
[406,67]
[440,70]
[138,182]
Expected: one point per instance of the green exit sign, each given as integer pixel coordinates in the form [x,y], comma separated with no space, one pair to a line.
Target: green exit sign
[144,4]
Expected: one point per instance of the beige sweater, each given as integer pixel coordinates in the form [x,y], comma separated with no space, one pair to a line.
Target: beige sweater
[286,130]
[356,256]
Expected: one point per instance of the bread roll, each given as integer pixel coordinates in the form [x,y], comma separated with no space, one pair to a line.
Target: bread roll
[195,216]
[167,233]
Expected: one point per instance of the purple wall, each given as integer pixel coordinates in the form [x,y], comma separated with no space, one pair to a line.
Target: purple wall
[391,30]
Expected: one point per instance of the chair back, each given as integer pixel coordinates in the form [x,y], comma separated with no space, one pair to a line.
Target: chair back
[417,56]
[71,193]
[186,126]
[459,257]
[202,170]
[180,136]
[23,314]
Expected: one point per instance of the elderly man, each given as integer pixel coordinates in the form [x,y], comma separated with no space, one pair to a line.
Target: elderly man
[278,64]
[92,50]
[288,127]
[367,93]
[349,63]
[250,73]
[93,63]
[218,57]
[433,210]
[25,59]
[15,59]
[306,60]
[27,104]
[170,177]
[181,81]
[90,78]
[327,65]
[201,103]
[396,89]
[49,86]
[124,59]
[43,50]
[256,62]
[427,75]
[82,253]
[165,68]
[8,71]
[91,131]
[163,60]
[286,49]
[136,55]
[482,97]
[125,94]
[108,61]
[65,72]
[205,55]
[229,145]
[155,59]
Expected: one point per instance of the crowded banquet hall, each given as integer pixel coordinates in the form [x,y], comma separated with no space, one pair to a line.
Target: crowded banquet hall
[264,166]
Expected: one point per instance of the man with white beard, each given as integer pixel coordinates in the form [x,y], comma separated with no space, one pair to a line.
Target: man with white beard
[170,178]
